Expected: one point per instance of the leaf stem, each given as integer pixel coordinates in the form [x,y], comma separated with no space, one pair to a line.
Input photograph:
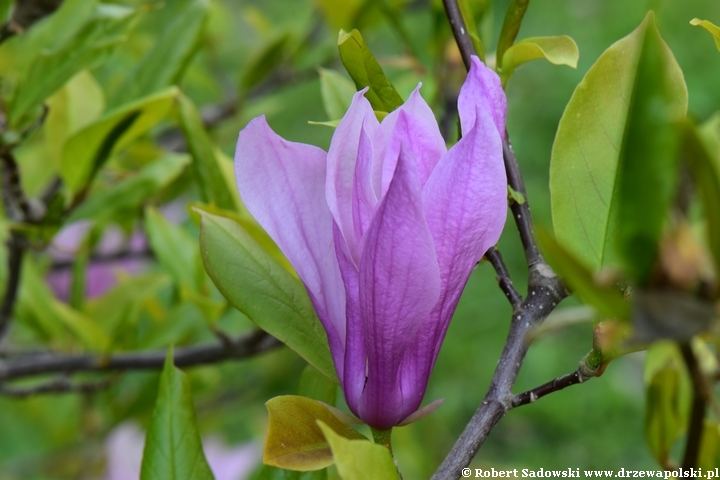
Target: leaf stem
[382,437]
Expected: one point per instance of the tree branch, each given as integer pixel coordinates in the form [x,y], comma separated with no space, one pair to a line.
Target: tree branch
[503,276]
[56,386]
[697,412]
[531,396]
[55,363]
[15,253]
[545,291]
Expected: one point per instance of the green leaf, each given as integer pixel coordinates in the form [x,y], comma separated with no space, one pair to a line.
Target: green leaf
[607,299]
[173,449]
[294,440]
[87,150]
[49,71]
[468,17]
[77,104]
[164,64]
[598,132]
[367,72]
[207,173]
[705,171]
[667,399]
[709,457]
[265,61]
[511,26]
[360,459]
[337,93]
[264,291]
[175,249]
[250,225]
[710,27]
[560,50]
[648,162]
[131,192]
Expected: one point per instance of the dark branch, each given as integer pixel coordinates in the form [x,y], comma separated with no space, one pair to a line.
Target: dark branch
[15,253]
[56,386]
[14,198]
[556,385]
[503,276]
[55,363]
[521,211]
[460,31]
[125,254]
[545,291]
[697,412]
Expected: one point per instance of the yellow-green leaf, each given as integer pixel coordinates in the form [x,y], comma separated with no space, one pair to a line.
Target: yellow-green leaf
[294,440]
[367,72]
[710,27]
[260,288]
[511,25]
[87,150]
[605,124]
[360,459]
[560,50]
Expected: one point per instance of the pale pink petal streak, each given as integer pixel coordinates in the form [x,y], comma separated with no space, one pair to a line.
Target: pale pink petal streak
[482,89]
[341,160]
[419,133]
[282,184]
[465,202]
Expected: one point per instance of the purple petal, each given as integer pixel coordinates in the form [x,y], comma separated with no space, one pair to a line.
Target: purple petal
[364,199]
[341,160]
[282,185]
[420,135]
[399,286]
[353,377]
[465,202]
[482,90]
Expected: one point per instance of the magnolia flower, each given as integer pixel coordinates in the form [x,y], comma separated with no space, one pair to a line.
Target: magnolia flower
[384,230]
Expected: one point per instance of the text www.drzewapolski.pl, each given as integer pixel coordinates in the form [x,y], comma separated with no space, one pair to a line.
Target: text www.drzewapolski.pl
[577,473]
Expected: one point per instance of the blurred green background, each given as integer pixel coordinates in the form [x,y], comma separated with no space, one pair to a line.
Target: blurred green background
[261,57]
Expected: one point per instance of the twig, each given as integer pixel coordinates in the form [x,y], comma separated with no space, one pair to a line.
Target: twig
[15,253]
[503,276]
[42,364]
[460,31]
[556,385]
[125,254]
[697,412]
[521,211]
[545,291]
[56,386]
[11,181]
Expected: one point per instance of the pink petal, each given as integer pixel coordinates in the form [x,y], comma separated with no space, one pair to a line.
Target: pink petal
[282,185]
[482,90]
[399,285]
[420,135]
[341,160]
[465,202]
[363,198]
